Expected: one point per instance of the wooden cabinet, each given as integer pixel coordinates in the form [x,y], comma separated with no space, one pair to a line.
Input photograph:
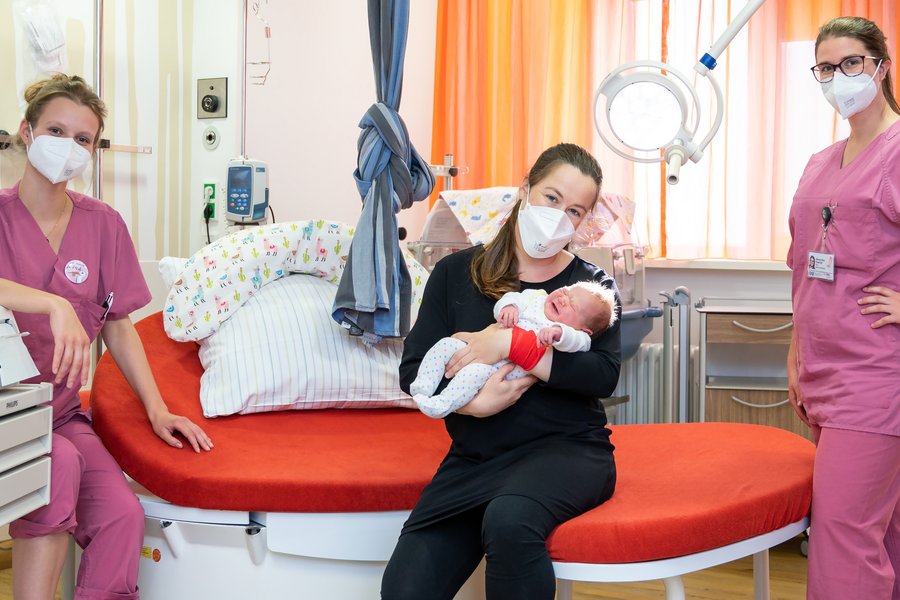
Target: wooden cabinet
[743,357]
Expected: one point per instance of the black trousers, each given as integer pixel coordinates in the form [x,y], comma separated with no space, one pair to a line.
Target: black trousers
[432,563]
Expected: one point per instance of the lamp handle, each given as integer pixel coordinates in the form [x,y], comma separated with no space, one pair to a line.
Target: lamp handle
[674,160]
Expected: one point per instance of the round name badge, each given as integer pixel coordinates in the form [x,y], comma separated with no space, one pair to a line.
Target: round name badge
[76,271]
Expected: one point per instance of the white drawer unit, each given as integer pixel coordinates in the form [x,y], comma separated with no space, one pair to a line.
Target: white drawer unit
[25,442]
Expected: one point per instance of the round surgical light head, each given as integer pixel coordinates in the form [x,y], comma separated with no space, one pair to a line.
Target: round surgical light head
[651,114]
[645,115]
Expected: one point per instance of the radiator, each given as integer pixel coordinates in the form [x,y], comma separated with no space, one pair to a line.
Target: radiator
[640,396]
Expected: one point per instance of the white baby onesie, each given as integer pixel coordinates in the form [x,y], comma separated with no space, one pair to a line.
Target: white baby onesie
[471,378]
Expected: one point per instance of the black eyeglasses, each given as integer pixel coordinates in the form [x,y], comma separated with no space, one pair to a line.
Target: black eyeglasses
[850,66]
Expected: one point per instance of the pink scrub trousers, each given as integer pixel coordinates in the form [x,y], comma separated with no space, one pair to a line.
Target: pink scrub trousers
[90,499]
[854,544]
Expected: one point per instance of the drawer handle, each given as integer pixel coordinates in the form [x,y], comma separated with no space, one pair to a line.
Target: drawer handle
[751,405]
[755,330]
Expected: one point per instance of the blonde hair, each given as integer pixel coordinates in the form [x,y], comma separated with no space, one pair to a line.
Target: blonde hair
[606,317]
[73,87]
[495,271]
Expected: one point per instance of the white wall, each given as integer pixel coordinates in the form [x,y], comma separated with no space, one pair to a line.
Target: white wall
[217,51]
[304,120]
[153,54]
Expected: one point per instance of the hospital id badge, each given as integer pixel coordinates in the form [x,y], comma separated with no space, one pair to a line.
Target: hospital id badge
[820,265]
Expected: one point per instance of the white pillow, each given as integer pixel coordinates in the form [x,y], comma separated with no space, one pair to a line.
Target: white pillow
[169,269]
[282,350]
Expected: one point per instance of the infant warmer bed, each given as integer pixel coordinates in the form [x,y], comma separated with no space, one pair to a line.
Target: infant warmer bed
[309,504]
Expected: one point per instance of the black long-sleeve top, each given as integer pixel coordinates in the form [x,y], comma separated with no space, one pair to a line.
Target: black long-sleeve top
[561,416]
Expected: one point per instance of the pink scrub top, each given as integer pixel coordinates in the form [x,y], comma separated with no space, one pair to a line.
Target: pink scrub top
[848,371]
[96,258]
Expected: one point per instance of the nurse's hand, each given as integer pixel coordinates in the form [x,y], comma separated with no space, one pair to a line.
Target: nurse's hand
[71,345]
[497,394]
[165,425]
[487,346]
[793,370]
[884,300]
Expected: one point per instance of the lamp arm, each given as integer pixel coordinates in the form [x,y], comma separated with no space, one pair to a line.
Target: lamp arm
[720,114]
[708,60]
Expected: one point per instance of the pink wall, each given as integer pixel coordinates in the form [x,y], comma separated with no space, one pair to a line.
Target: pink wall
[303,121]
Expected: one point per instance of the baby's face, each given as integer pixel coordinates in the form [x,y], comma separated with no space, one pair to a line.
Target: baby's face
[570,306]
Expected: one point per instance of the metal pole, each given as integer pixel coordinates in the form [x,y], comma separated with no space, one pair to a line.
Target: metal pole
[448,180]
[680,298]
[244,88]
[670,409]
[683,299]
[98,88]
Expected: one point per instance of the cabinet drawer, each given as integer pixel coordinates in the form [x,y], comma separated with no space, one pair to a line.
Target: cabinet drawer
[24,489]
[736,328]
[25,435]
[759,407]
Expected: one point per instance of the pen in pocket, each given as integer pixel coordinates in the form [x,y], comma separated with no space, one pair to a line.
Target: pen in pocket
[107,304]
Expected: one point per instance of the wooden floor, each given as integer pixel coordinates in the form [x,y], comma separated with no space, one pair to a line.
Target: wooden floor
[733,581]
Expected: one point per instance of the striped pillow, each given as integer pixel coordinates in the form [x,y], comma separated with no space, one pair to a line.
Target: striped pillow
[282,351]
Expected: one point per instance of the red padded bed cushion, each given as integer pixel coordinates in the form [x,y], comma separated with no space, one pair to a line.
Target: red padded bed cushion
[691,487]
[292,461]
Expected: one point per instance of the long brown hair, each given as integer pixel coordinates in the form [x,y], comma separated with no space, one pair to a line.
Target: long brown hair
[495,270]
[871,37]
[73,87]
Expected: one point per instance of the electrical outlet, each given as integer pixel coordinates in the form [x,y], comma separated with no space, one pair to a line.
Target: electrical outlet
[209,191]
[210,211]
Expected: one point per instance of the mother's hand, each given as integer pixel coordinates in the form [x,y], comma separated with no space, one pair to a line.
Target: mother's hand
[498,394]
[488,346]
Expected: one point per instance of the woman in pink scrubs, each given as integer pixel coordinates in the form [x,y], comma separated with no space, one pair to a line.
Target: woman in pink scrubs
[845,351]
[69,271]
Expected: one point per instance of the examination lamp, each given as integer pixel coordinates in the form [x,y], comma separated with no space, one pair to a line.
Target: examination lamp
[648,104]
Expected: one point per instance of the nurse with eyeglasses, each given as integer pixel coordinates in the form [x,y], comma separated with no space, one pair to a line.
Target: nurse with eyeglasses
[845,258]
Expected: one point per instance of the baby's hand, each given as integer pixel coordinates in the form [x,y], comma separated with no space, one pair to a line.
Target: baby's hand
[509,316]
[548,335]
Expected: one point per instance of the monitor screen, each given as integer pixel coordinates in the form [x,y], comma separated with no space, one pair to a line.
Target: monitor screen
[239,177]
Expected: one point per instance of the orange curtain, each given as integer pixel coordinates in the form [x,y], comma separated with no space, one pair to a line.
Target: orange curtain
[804,17]
[512,77]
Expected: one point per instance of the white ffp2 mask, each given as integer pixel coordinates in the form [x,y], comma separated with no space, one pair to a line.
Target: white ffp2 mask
[849,95]
[57,158]
[544,230]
